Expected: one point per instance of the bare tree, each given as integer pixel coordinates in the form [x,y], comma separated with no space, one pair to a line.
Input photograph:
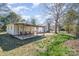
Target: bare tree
[56,10]
[48,22]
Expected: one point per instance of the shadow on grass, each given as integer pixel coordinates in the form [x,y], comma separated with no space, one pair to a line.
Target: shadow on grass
[8,42]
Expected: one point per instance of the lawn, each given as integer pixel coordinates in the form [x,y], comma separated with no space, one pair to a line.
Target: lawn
[56,46]
[49,45]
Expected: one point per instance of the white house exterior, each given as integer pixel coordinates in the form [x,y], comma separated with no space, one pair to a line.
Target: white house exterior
[10,29]
[24,29]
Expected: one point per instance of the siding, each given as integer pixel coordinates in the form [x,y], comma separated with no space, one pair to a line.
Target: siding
[10,29]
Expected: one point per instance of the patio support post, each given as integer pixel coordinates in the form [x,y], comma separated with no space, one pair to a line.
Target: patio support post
[37,30]
[18,28]
[43,31]
[23,31]
[14,29]
[30,29]
[33,31]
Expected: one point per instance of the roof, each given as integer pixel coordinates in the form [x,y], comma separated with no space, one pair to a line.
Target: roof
[28,24]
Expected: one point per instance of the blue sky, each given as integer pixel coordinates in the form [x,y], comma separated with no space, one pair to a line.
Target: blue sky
[27,10]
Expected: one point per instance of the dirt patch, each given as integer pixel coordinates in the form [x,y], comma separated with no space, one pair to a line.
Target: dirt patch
[74,44]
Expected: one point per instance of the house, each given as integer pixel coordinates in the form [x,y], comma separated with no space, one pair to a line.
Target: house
[23,30]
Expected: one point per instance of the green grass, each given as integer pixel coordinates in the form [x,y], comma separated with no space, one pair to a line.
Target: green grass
[1,30]
[57,47]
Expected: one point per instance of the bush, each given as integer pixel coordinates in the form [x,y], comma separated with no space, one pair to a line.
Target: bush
[4,28]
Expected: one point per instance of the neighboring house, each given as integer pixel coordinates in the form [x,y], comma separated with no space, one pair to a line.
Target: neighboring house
[19,29]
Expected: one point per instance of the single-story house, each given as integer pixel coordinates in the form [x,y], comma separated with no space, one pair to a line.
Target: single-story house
[23,30]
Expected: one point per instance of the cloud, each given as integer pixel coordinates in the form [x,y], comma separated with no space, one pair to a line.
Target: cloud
[40,19]
[11,3]
[38,16]
[43,16]
[48,16]
[25,17]
[19,9]
[35,5]
[9,6]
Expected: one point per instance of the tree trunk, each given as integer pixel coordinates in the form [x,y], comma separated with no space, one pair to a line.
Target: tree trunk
[59,27]
[77,30]
[56,26]
[48,27]
[68,31]
[56,22]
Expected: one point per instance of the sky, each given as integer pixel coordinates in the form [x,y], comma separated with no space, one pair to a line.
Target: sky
[27,10]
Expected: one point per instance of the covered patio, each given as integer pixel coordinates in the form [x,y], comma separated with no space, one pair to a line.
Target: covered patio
[24,31]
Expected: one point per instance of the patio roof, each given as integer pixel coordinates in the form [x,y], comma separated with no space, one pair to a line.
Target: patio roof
[29,24]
